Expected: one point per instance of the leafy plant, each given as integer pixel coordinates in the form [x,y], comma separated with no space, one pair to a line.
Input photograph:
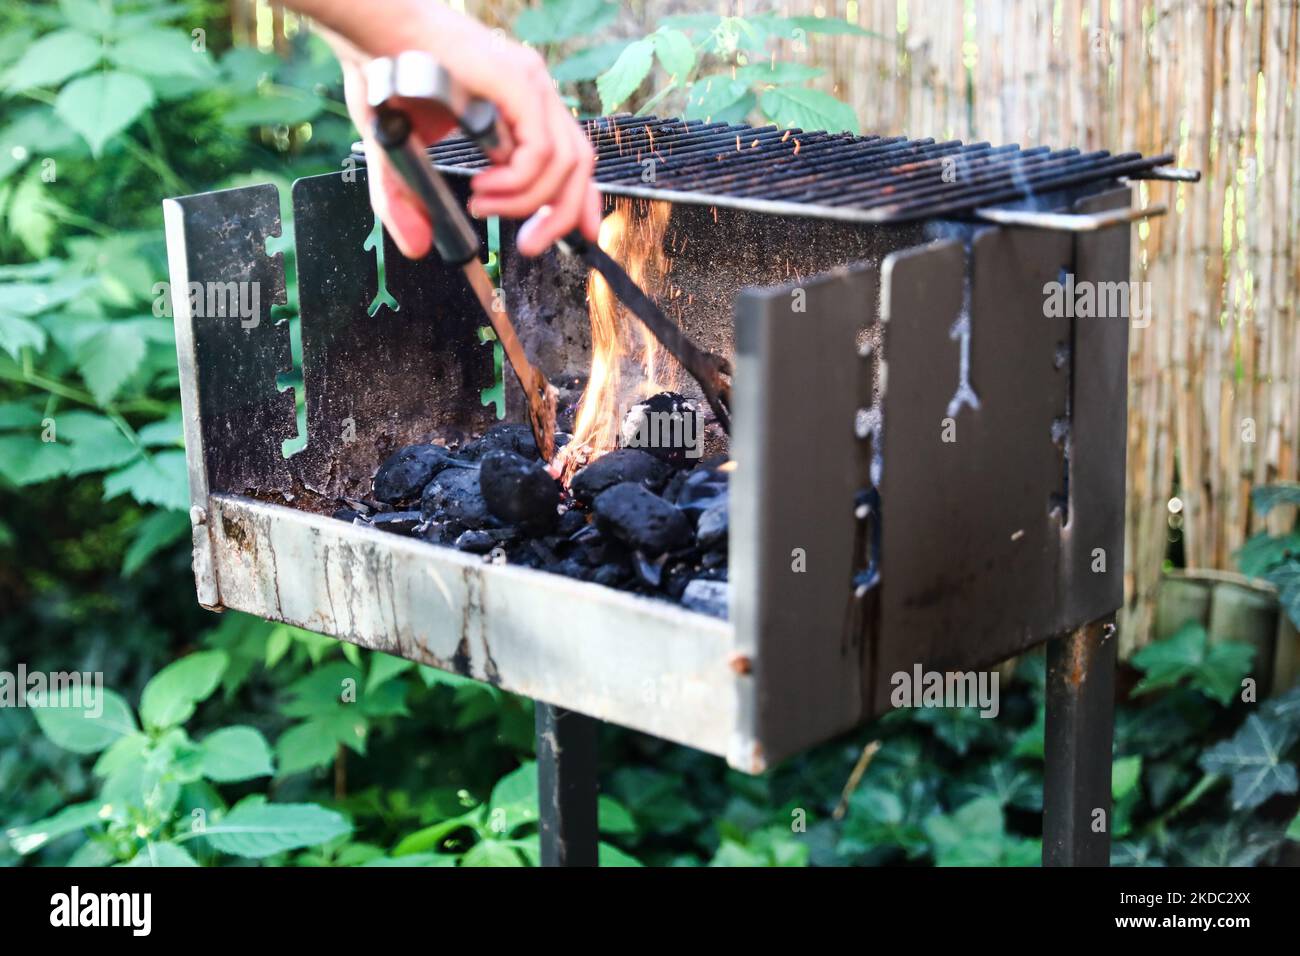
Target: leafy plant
[156,793]
[1275,558]
[1215,669]
[718,68]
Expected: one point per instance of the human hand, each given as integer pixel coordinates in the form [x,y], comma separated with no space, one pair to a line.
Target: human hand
[547,175]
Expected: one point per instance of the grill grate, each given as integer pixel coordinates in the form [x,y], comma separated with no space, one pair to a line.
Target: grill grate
[870,179]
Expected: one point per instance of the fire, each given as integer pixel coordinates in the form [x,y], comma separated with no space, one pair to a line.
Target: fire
[627,362]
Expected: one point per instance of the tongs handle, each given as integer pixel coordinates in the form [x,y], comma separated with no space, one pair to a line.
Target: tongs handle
[453,234]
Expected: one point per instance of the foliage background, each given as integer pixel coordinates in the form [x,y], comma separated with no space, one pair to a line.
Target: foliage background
[238,724]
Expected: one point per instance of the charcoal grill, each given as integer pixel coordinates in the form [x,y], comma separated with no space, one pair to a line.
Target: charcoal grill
[875,293]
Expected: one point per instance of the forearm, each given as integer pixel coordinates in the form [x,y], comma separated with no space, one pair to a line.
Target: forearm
[385,27]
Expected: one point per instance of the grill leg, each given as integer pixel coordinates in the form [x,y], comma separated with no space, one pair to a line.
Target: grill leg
[566,784]
[1080,725]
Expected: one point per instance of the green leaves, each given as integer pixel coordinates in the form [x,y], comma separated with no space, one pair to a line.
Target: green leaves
[233,754]
[274,109]
[84,721]
[155,51]
[975,835]
[170,698]
[719,98]
[794,106]
[1253,759]
[257,830]
[1269,497]
[492,853]
[161,480]
[101,105]
[586,64]
[162,854]
[32,836]
[628,72]
[338,704]
[54,58]
[18,333]
[21,301]
[1216,670]
[305,746]
[675,53]
[70,443]
[556,20]
[154,533]
[108,358]
[1264,552]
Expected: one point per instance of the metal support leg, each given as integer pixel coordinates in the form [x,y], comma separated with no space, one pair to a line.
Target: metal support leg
[1080,725]
[566,784]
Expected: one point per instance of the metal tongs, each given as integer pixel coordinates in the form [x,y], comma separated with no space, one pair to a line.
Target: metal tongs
[415,75]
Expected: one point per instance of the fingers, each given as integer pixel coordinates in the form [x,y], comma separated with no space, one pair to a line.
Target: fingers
[567,211]
[563,195]
[526,107]
[548,176]
[397,207]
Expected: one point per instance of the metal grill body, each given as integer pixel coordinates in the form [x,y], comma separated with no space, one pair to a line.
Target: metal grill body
[930,470]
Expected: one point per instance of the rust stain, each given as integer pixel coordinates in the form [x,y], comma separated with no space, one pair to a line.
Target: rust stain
[460,661]
[235,532]
[741,664]
[1079,659]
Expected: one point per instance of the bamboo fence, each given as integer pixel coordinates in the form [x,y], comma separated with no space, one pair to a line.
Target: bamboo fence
[1214,403]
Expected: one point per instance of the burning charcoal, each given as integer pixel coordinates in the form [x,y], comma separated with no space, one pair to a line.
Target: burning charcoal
[454,494]
[398,522]
[673,486]
[701,490]
[667,426]
[642,519]
[542,554]
[507,436]
[519,491]
[403,476]
[651,572]
[714,559]
[676,576]
[610,575]
[570,569]
[570,523]
[624,464]
[711,529]
[707,597]
[476,542]
[504,436]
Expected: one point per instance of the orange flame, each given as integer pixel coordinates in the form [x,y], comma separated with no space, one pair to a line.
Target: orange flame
[627,361]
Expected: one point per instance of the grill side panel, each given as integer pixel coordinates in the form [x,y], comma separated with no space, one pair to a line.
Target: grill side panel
[799,637]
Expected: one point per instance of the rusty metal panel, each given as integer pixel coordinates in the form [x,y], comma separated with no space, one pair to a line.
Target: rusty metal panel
[792,556]
[228,363]
[619,657]
[1098,428]
[427,350]
[971,542]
